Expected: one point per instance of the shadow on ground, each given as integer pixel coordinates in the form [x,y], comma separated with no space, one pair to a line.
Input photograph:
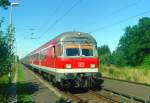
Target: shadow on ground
[83,90]
[25,90]
[4,89]
[80,90]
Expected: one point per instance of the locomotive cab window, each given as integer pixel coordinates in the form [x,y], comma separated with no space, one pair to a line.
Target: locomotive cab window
[87,50]
[72,50]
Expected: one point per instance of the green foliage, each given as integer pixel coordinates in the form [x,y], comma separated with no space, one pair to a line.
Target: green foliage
[104,54]
[103,50]
[4,3]
[111,70]
[23,91]
[134,45]
[4,86]
[135,74]
[4,65]
[118,58]
[4,56]
[146,62]
[6,49]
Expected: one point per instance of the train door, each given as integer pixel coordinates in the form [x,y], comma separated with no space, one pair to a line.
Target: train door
[54,56]
[31,59]
[39,58]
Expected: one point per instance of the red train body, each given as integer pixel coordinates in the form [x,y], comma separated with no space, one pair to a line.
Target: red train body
[69,60]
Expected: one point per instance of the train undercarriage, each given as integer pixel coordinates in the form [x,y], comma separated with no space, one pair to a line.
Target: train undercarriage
[73,80]
[81,80]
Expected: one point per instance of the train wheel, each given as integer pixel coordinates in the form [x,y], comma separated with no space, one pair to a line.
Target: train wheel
[49,78]
[89,84]
[82,83]
[66,85]
[86,84]
[54,81]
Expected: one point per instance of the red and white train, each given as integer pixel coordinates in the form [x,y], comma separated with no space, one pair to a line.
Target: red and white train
[69,60]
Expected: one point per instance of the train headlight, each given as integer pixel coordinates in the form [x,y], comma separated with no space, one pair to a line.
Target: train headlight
[92,65]
[68,66]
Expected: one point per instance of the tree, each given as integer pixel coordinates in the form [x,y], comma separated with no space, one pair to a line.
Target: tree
[146,62]
[4,3]
[134,45]
[118,59]
[104,54]
[6,49]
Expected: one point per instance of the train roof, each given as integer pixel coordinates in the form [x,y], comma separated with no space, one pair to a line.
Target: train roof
[75,36]
[72,36]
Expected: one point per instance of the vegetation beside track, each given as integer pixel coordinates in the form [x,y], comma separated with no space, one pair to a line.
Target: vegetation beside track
[5,83]
[134,74]
[7,56]
[131,59]
[4,87]
[22,87]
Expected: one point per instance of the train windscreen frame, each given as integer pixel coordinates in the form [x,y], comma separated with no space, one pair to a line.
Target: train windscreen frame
[76,50]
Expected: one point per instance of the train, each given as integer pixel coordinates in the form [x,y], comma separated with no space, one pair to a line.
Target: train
[69,60]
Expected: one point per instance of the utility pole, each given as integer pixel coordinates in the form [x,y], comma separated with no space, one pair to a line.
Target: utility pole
[12,37]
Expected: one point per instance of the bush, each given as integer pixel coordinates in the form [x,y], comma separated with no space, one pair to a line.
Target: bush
[111,70]
[4,87]
[146,63]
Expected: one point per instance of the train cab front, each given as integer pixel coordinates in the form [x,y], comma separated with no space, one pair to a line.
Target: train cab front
[81,66]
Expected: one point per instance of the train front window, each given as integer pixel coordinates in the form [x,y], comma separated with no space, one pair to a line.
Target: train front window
[84,50]
[72,50]
[87,50]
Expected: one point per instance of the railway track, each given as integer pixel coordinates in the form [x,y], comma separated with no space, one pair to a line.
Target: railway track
[88,97]
[107,96]
[71,97]
[120,97]
[103,96]
[111,96]
[81,97]
[128,92]
[144,84]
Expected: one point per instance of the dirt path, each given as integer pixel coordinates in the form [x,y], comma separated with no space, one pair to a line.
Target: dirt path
[41,93]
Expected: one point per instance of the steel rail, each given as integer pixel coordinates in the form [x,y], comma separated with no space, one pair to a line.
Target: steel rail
[128,96]
[68,96]
[91,97]
[78,98]
[144,84]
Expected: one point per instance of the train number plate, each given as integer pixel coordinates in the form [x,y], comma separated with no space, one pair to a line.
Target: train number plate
[81,64]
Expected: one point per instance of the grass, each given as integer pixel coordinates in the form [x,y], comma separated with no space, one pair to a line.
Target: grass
[137,74]
[5,84]
[22,87]
[4,88]
[4,79]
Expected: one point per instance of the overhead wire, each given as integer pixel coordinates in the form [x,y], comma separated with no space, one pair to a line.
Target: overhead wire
[119,22]
[103,27]
[61,17]
[119,10]
[47,22]
[125,7]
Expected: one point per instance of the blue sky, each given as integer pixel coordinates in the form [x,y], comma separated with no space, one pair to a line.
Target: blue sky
[105,19]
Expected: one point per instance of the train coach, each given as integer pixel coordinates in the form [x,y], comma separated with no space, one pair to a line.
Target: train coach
[70,60]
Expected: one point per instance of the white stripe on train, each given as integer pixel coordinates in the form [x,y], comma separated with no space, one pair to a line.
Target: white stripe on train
[74,70]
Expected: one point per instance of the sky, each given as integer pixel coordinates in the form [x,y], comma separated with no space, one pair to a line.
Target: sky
[38,21]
